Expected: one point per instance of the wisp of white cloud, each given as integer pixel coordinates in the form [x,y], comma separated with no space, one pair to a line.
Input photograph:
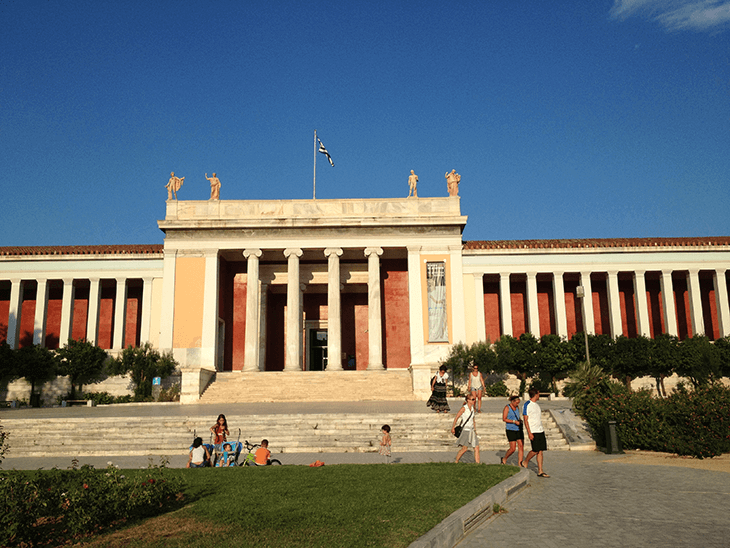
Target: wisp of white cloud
[697,15]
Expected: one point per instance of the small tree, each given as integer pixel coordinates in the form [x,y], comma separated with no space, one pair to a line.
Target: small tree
[143,364]
[555,359]
[83,362]
[8,367]
[36,364]
[663,359]
[700,361]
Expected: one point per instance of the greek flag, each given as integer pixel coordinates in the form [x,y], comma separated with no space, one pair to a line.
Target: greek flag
[324,151]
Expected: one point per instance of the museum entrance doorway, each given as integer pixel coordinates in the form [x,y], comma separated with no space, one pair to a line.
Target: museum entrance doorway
[316,348]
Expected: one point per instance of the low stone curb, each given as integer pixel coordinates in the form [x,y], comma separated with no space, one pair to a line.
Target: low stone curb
[452,529]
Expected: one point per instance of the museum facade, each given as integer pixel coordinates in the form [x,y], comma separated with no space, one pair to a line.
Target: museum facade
[357,284]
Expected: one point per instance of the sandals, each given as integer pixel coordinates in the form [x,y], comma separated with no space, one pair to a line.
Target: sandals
[521,465]
[543,475]
[501,461]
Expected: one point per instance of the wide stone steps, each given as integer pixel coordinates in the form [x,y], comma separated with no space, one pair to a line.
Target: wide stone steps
[309,386]
[287,433]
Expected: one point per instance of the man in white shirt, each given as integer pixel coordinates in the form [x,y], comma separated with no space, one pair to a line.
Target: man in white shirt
[533,425]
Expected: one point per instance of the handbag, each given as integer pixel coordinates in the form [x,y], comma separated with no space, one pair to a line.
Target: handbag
[458,428]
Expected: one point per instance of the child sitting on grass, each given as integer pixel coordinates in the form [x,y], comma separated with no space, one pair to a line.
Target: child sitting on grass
[263,455]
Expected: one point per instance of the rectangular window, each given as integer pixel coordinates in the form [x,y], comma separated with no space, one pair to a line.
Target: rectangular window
[436,283]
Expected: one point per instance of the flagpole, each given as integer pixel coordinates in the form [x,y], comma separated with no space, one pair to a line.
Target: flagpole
[314,177]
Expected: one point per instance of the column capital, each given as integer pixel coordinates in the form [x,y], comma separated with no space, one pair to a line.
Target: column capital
[255,252]
[330,251]
[289,251]
[413,248]
[370,250]
[559,273]
[478,275]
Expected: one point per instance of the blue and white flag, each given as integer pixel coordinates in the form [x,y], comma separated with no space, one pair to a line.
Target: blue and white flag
[324,151]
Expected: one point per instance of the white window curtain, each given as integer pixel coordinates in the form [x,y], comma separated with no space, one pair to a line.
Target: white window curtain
[436,282]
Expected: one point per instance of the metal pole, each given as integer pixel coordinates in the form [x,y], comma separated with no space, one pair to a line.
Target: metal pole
[314,177]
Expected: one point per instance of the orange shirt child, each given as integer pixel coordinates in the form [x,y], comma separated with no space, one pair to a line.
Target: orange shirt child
[262,456]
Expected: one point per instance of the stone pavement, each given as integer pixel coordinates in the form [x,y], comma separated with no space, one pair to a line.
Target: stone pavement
[598,500]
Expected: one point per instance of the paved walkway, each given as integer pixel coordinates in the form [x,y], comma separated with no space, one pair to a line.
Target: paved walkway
[598,500]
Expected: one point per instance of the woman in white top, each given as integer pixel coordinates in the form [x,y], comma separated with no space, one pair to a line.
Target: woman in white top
[468,437]
[476,385]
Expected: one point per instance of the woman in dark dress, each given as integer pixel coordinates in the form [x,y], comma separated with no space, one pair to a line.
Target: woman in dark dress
[437,401]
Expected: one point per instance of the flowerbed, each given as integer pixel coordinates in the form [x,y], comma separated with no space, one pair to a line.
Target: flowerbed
[56,505]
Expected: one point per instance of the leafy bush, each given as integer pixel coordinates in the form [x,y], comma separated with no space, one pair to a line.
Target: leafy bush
[143,364]
[82,361]
[60,505]
[3,443]
[496,390]
[689,422]
[170,394]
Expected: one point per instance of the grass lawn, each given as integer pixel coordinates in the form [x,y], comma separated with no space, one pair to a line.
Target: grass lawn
[334,506]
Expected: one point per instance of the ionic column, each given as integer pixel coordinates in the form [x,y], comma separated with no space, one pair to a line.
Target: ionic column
[479,302]
[415,307]
[209,337]
[670,311]
[167,316]
[293,316]
[505,304]
[334,310]
[144,328]
[695,302]
[642,309]
[120,313]
[721,300]
[252,350]
[263,299]
[67,311]
[589,322]
[533,312]
[16,299]
[561,318]
[375,343]
[614,304]
[92,318]
[41,312]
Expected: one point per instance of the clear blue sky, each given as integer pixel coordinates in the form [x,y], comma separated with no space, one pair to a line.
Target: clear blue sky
[565,119]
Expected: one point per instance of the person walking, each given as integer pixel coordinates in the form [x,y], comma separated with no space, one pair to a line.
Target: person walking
[531,414]
[438,401]
[476,385]
[513,428]
[468,437]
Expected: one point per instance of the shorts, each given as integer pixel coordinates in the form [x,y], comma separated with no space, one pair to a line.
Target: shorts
[200,465]
[515,435]
[539,442]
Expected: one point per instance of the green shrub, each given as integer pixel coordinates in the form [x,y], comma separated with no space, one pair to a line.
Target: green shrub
[496,390]
[695,423]
[36,507]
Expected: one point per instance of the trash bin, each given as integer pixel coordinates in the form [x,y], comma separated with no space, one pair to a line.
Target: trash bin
[613,443]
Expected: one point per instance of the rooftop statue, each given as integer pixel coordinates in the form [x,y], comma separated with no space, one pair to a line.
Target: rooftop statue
[215,187]
[412,183]
[452,182]
[173,185]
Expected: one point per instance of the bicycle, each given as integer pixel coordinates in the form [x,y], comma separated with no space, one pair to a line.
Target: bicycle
[249,459]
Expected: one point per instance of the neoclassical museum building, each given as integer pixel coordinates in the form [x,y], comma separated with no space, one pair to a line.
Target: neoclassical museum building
[387,285]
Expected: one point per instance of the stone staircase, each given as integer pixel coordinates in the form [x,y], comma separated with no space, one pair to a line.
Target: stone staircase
[287,433]
[310,386]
